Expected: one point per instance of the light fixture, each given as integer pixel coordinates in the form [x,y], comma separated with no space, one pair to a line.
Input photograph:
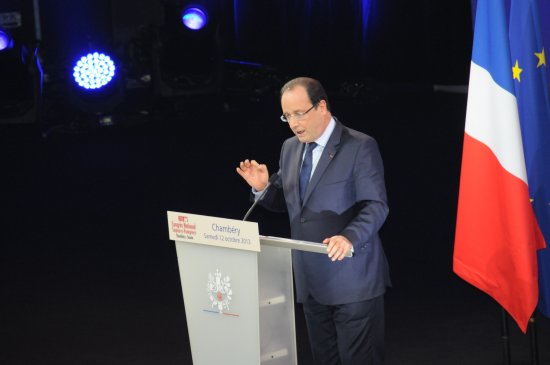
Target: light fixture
[94,70]
[6,41]
[21,81]
[194,18]
[187,53]
[96,88]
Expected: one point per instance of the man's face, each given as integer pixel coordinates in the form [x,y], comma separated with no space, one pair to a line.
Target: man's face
[310,126]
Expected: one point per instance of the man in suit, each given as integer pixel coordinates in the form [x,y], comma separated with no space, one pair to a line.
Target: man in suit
[331,183]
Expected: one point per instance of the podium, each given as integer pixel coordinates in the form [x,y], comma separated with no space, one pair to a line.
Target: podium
[237,290]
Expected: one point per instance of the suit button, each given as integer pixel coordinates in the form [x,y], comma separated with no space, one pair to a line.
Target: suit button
[302,220]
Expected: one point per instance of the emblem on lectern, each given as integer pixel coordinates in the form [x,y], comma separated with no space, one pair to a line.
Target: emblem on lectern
[219,291]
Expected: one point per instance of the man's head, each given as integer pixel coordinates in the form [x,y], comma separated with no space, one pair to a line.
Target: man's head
[305,107]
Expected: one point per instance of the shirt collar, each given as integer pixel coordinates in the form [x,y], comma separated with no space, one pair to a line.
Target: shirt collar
[323,140]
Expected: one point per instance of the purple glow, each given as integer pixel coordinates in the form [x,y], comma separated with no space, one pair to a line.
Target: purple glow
[194,18]
[4,40]
[94,70]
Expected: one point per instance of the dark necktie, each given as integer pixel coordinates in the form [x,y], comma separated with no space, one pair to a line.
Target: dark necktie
[305,172]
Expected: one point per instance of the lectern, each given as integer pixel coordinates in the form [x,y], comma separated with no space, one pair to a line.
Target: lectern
[237,290]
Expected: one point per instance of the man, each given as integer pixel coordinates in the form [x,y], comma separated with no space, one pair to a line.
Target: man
[331,183]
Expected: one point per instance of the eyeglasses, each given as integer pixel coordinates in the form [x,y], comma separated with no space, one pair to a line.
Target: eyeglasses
[298,115]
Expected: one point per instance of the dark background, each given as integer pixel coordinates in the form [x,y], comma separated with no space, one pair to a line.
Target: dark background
[87,272]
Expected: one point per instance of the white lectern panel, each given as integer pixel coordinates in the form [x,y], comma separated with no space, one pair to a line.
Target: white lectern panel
[220,290]
[278,340]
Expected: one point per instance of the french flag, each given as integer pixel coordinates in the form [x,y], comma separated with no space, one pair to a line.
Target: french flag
[497,235]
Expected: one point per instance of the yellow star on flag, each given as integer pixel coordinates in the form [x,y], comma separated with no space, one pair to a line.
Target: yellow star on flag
[541,57]
[516,71]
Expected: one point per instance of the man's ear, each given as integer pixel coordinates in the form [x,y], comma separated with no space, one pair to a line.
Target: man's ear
[323,106]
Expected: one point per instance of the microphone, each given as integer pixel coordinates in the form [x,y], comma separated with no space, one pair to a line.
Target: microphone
[272,179]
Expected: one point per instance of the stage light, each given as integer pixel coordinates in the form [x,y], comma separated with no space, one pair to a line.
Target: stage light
[21,75]
[187,53]
[96,88]
[21,84]
[94,70]
[5,40]
[194,18]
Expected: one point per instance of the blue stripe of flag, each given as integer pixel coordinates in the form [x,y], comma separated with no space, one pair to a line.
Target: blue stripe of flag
[491,49]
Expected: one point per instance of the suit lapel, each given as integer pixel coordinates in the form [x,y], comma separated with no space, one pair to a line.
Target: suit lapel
[326,158]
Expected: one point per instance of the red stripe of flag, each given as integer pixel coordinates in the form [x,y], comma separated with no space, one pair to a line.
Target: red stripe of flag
[496,233]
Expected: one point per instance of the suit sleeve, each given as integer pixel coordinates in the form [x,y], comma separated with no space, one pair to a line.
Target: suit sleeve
[370,191]
[274,199]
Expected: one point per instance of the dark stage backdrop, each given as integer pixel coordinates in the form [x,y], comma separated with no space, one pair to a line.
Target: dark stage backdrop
[391,41]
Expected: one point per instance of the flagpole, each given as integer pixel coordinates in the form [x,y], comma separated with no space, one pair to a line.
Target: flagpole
[534,340]
[505,337]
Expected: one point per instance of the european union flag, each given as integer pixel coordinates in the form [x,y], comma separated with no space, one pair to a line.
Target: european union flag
[531,89]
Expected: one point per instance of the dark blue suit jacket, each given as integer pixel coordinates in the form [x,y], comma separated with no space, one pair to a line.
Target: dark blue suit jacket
[346,196]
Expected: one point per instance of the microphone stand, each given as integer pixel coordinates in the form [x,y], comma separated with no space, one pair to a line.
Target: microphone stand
[271,180]
[256,201]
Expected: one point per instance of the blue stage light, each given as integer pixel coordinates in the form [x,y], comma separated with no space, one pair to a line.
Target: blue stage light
[94,71]
[194,18]
[5,40]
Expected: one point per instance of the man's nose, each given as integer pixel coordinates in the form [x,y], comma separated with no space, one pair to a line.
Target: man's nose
[292,122]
